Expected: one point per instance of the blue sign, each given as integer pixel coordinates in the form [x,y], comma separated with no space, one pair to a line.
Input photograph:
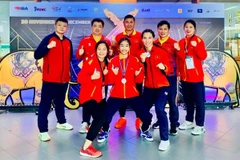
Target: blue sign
[92,10]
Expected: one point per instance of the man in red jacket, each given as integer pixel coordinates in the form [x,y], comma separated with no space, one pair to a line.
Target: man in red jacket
[85,51]
[136,44]
[56,51]
[167,43]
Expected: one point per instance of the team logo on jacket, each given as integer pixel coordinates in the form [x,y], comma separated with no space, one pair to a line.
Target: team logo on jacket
[89,44]
[166,93]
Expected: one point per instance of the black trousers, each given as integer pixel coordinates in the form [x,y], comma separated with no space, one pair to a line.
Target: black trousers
[51,92]
[194,94]
[123,109]
[96,110]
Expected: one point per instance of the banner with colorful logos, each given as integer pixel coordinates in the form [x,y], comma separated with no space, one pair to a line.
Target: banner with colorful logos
[31,22]
[4,29]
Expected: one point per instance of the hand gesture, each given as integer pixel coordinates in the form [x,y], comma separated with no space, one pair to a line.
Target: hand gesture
[115,70]
[144,56]
[95,75]
[52,44]
[194,43]
[113,40]
[137,72]
[81,51]
[161,66]
[105,71]
[176,46]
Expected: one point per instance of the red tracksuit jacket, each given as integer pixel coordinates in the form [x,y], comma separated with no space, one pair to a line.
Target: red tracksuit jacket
[198,54]
[56,61]
[127,90]
[169,47]
[154,77]
[89,44]
[91,89]
[135,39]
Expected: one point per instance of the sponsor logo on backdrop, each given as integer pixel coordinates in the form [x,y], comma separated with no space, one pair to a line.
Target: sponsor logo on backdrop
[179,10]
[39,9]
[21,8]
[145,10]
[95,9]
[82,9]
[190,10]
[199,10]
[69,9]
[56,9]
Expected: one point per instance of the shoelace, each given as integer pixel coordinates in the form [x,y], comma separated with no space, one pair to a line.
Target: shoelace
[91,150]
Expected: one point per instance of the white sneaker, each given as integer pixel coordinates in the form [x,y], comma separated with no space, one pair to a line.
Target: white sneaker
[83,128]
[186,125]
[64,126]
[44,136]
[164,145]
[198,130]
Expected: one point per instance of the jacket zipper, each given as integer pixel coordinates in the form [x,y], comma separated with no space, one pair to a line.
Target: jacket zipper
[151,71]
[93,91]
[62,61]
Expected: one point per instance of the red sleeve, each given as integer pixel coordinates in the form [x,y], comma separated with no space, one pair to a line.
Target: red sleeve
[181,53]
[139,78]
[84,76]
[200,49]
[165,61]
[79,47]
[111,77]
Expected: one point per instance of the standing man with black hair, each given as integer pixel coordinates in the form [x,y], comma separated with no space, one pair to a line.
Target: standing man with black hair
[167,43]
[56,51]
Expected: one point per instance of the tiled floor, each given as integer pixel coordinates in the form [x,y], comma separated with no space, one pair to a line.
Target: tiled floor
[18,139]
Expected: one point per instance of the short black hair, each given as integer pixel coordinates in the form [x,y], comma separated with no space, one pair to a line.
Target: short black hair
[61,19]
[97,20]
[163,22]
[191,22]
[148,31]
[124,39]
[129,16]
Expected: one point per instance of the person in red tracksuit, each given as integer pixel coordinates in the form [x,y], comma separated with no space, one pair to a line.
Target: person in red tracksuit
[136,44]
[167,43]
[92,95]
[56,51]
[191,53]
[156,85]
[124,72]
[85,51]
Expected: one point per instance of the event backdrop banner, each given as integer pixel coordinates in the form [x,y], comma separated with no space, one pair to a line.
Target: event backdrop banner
[31,22]
[4,29]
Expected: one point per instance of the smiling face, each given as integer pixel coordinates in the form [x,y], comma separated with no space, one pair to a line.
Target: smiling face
[129,24]
[148,39]
[189,29]
[124,47]
[102,51]
[163,31]
[97,28]
[61,27]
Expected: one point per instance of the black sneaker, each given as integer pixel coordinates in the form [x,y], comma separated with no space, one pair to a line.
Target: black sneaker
[173,131]
[155,125]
